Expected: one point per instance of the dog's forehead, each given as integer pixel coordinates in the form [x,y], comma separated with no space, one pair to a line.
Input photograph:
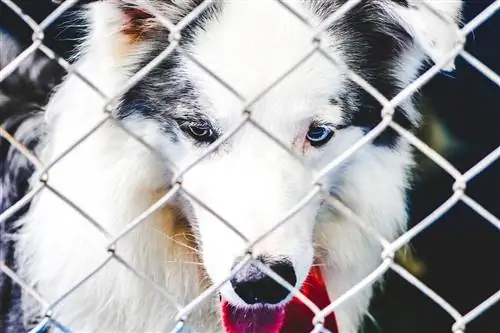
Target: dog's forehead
[260,48]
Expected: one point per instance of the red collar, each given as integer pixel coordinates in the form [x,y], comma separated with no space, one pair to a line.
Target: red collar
[298,317]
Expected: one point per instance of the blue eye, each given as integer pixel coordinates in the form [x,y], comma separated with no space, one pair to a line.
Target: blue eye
[318,135]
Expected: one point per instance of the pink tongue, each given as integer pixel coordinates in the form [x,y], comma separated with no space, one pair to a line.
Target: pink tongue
[262,320]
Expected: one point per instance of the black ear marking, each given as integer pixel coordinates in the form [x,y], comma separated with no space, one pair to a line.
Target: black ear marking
[136,13]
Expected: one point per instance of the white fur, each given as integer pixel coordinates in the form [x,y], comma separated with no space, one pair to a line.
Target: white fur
[433,26]
[251,181]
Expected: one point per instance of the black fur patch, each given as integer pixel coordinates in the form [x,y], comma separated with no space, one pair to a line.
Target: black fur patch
[163,91]
[22,96]
[372,45]
[160,96]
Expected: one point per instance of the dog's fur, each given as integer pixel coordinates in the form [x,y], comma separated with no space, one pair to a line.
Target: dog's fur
[22,97]
[250,181]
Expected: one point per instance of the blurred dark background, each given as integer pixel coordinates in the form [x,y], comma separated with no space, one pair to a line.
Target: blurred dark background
[459,256]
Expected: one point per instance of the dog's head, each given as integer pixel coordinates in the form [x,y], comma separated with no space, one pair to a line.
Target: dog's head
[269,62]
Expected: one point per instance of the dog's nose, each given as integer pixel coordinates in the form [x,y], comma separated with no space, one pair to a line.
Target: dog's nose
[254,286]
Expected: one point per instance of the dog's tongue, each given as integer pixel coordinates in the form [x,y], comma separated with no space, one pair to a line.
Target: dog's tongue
[294,318]
[252,321]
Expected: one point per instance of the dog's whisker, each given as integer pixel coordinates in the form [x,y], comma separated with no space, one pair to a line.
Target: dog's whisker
[319,265]
[373,321]
[186,262]
[172,238]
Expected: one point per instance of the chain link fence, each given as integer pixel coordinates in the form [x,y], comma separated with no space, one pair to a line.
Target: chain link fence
[388,263]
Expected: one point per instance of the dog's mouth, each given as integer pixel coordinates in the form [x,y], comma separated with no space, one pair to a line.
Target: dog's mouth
[293,317]
[259,319]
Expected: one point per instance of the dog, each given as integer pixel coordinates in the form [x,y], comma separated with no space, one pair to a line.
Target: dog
[225,65]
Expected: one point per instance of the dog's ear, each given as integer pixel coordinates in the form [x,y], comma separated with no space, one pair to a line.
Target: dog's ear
[136,19]
[125,28]
[433,24]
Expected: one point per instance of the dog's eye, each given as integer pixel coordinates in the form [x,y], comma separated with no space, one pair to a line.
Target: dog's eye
[200,132]
[318,135]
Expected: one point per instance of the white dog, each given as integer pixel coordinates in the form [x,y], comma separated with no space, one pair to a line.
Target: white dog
[249,181]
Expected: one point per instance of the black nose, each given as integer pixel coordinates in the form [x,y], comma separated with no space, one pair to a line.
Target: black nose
[254,286]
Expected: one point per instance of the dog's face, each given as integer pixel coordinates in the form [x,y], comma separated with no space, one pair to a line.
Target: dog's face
[315,111]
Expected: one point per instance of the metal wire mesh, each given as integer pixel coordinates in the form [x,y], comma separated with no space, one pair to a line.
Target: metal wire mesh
[316,47]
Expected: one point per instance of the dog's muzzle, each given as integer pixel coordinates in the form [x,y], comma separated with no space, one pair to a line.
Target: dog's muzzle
[268,310]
